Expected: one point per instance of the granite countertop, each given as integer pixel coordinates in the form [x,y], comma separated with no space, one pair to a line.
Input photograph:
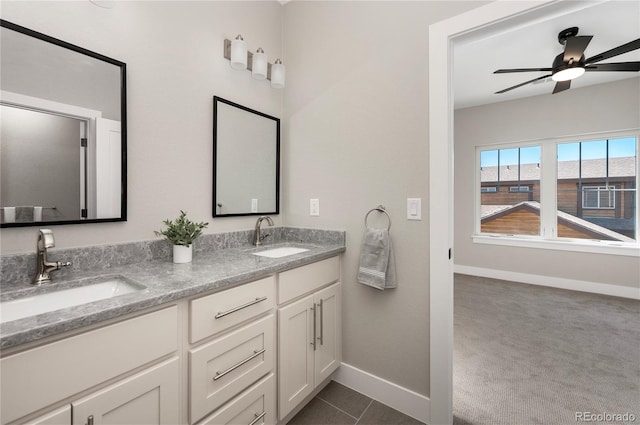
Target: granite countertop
[164,282]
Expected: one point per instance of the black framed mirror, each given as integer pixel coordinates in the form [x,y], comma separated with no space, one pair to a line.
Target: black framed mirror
[246,161]
[63,132]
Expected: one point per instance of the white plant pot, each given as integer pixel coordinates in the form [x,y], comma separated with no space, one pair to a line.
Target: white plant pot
[182,254]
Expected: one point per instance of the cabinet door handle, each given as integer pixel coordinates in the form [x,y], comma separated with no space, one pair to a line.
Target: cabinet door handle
[240,307]
[313,309]
[321,322]
[90,420]
[255,354]
[258,417]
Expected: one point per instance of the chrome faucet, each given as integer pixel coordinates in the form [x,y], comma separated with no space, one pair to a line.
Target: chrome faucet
[257,240]
[45,241]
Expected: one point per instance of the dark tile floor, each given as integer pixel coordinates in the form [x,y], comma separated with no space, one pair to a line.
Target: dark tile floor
[339,405]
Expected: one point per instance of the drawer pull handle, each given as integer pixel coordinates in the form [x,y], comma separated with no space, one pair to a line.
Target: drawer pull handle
[313,309]
[255,354]
[258,417]
[321,323]
[233,310]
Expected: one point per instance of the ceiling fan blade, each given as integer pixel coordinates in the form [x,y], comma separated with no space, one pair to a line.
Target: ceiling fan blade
[575,47]
[561,86]
[628,47]
[505,71]
[621,66]
[522,84]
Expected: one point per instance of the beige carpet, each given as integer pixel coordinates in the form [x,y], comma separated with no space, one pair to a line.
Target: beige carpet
[527,354]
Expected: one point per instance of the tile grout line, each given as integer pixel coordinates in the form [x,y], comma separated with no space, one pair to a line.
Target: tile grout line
[364,411]
[339,409]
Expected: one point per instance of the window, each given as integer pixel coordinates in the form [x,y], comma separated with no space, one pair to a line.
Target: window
[600,197]
[596,189]
[561,191]
[510,190]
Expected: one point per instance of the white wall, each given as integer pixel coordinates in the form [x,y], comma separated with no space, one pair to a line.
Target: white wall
[356,131]
[605,107]
[175,65]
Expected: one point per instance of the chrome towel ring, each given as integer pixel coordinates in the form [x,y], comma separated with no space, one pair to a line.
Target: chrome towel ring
[379,208]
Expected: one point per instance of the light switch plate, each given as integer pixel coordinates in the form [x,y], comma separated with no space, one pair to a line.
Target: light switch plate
[414,208]
[314,207]
[254,205]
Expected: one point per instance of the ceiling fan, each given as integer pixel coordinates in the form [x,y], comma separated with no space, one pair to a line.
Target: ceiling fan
[571,63]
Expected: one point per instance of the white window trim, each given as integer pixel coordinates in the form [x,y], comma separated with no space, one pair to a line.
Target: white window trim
[548,201]
[564,244]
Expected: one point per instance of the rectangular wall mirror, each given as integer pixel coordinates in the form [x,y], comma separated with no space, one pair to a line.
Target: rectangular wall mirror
[63,132]
[246,161]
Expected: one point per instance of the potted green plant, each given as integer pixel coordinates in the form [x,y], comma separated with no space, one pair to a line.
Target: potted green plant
[181,233]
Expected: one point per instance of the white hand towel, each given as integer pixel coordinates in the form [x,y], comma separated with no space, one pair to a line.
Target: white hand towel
[377,261]
[9,214]
[37,213]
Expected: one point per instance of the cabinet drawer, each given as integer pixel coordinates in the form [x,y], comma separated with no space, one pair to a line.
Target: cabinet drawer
[306,279]
[36,378]
[255,406]
[217,312]
[227,365]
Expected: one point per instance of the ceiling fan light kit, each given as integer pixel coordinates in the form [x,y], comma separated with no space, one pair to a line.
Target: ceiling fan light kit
[568,74]
[571,63]
[566,71]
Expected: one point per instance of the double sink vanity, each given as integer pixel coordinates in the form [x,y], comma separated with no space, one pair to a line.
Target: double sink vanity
[242,335]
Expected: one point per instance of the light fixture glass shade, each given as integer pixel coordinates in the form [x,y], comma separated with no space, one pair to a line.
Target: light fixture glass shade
[259,65]
[238,53]
[277,75]
[568,74]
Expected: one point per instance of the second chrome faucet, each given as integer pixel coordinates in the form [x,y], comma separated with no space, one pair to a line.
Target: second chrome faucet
[258,238]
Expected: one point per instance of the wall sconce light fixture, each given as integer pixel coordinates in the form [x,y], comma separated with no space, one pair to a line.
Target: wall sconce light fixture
[238,54]
[260,65]
[236,51]
[277,75]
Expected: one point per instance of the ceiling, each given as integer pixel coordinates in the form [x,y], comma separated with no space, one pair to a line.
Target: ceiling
[531,41]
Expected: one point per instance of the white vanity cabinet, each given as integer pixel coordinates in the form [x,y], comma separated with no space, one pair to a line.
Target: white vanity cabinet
[309,330]
[69,368]
[223,372]
[207,359]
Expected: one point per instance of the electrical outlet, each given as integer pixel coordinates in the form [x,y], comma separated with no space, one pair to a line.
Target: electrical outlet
[314,207]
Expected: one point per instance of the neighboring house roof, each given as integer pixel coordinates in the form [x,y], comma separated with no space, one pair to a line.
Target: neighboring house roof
[490,212]
[591,168]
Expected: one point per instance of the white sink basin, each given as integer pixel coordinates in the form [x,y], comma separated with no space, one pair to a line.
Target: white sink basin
[280,252]
[96,289]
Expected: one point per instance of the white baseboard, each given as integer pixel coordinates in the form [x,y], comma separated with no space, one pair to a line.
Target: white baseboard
[554,282]
[402,399]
